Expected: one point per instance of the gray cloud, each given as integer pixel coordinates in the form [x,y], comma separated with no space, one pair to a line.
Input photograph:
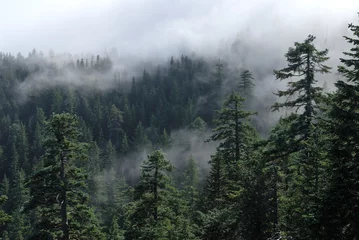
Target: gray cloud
[247,34]
[165,27]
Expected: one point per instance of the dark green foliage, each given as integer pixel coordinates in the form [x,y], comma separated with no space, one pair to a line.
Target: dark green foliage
[296,145]
[217,182]
[108,156]
[76,175]
[304,61]
[4,218]
[233,129]
[246,84]
[191,183]
[115,233]
[114,123]
[124,144]
[157,211]
[199,125]
[57,189]
[236,202]
[340,216]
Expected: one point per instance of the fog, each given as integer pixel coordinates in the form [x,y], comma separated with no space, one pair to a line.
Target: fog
[246,34]
[159,28]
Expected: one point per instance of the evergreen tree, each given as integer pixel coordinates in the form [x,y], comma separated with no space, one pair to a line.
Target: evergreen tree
[57,100]
[191,183]
[340,216]
[302,160]
[199,125]
[4,217]
[108,156]
[18,194]
[246,84]
[115,121]
[140,138]
[229,180]
[232,129]
[124,144]
[165,139]
[157,212]
[115,233]
[37,125]
[304,61]
[56,190]
[216,182]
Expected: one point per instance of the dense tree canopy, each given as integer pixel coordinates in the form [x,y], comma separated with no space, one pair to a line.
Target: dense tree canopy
[73,156]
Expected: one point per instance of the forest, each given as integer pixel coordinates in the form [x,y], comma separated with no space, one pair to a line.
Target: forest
[121,162]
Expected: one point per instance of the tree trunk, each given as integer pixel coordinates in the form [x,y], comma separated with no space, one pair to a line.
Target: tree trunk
[64,220]
[237,134]
[155,193]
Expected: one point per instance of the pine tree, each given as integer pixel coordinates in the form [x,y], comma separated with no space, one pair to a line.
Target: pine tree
[219,74]
[246,84]
[191,183]
[157,212]
[232,129]
[300,160]
[216,182]
[108,155]
[4,217]
[57,101]
[70,101]
[340,211]
[165,139]
[140,137]
[124,144]
[228,182]
[110,198]
[56,190]
[115,125]
[191,194]
[304,61]
[115,233]
[93,165]
[199,125]
[18,194]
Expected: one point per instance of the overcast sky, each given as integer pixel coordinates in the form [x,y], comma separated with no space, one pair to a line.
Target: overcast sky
[165,27]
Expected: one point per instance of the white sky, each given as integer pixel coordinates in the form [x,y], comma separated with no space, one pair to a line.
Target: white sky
[165,27]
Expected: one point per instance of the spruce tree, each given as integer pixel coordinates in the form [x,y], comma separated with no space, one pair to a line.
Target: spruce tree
[57,189]
[157,210]
[4,217]
[115,125]
[229,179]
[191,183]
[232,129]
[246,84]
[124,144]
[304,61]
[300,160]
[340,216]
[115,233]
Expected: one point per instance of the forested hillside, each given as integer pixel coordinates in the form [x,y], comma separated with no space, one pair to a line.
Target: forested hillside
[178,151]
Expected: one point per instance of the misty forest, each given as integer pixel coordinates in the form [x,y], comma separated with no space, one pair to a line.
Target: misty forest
[185,149]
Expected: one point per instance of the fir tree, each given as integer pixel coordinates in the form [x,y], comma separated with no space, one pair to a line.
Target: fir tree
[300,160]
[157,212]
[56,190]
[4,217]
[340,211]
[246,84]
[232,129]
